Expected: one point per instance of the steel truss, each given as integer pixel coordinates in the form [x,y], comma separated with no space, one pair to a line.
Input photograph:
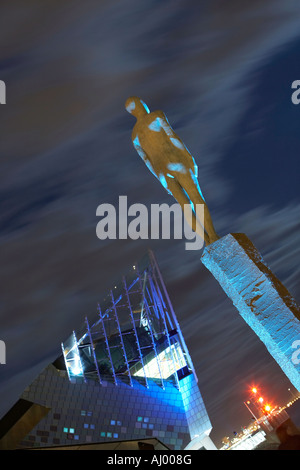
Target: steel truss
[135,326]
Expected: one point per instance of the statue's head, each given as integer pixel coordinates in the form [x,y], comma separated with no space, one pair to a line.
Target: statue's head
[136,106]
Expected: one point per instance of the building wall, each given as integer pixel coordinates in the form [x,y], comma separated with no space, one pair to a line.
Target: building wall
[90,412]
[196,414]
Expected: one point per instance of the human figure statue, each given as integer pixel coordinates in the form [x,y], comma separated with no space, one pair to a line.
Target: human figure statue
[170,162]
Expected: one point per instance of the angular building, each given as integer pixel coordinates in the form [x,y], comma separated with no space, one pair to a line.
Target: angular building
[126,374]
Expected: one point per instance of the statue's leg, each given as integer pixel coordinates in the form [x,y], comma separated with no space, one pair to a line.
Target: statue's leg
[181,197]
[193,191]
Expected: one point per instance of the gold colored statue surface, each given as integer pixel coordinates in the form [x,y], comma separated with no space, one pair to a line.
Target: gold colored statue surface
[170,162]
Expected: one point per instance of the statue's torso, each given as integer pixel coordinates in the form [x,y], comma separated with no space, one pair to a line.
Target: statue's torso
[158,146]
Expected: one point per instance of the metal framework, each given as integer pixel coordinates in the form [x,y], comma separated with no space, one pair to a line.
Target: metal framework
[135,335]
[135,331]
[107,345]
[93,350]
[150,329]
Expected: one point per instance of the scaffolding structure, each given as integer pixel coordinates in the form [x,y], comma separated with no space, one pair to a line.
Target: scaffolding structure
[135,335]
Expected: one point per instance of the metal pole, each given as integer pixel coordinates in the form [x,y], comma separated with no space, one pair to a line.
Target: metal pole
[250,411]
[151,331]
[178,329]
[135,331]
[167,335]
[78,354]
[121,339]
[93,349]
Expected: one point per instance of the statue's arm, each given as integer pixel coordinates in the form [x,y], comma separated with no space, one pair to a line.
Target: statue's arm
[177,142]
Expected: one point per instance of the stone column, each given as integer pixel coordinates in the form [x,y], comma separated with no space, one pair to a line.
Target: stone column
[261,299]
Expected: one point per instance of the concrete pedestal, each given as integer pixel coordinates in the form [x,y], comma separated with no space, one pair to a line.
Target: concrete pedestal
[261,299]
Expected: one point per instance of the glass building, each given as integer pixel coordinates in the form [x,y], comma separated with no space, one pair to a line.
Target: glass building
[124,374]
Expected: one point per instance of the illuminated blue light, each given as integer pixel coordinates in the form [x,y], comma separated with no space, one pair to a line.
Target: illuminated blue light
[145,106]
[191,203]
[163,180]
[131,106]
[166,127]
[136,142]
[76,367]
[194,178]
[138,148]
[155,125]
[158,124]
[195,411]
[150,167]
[252,288]
[177,143]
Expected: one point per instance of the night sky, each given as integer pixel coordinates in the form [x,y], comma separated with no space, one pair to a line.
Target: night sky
[222,73]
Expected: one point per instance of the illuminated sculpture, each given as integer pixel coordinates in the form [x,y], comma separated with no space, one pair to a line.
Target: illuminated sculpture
[170,162]
[264,303]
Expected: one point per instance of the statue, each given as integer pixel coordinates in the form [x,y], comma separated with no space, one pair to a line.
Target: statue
[170,162]
[261,299]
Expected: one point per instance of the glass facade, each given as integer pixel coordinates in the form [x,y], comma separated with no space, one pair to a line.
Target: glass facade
[125,374]
[135,334]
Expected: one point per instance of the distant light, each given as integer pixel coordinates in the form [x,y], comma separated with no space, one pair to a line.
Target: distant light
[260,399]
[267,408]
[254,390]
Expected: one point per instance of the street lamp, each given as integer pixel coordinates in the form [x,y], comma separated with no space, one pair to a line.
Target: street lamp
[249,409]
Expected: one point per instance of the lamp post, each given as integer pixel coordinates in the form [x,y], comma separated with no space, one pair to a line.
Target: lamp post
[249,409]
